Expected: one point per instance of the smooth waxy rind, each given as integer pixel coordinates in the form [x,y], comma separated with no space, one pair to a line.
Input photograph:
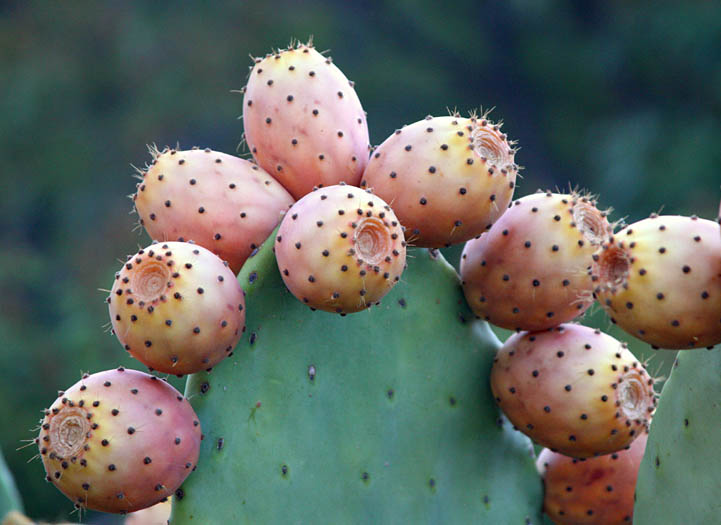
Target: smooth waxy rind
[119,441]
[303,121]
[660,280]
[177,308]
[679,481]
[447,178]
[381,417]
[573,389]
[340,249]
[531,270]
[593,491]
[226,204]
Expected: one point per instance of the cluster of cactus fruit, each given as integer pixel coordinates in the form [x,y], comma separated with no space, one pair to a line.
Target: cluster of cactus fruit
[339,217]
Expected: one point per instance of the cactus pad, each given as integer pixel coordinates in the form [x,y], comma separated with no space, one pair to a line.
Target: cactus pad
[384,416]
[678,481]
[9,495]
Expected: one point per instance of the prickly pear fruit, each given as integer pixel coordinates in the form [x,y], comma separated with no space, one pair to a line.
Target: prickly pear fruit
[226,204]
[340,249]
[177,308]
[303,120]
[573,389]
[593,491]
[447,178]
[119,441]
[660,280]
[531,270]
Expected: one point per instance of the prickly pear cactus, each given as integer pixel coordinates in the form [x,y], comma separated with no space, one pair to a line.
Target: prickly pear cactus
[382,416]
[9,495]
[679,477]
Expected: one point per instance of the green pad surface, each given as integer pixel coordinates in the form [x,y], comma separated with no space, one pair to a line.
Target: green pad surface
[382,416]
[9,495]
[679,480]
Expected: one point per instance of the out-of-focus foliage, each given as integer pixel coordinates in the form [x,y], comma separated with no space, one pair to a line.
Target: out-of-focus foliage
[621,98]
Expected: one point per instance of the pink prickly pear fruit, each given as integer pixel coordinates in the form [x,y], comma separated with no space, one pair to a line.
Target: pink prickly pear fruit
[573,389]
[340,249]
[177,308]
[593,491]
[448,178]
[226,204]
[119,441]
[303,120]
[531,270]
[660,280]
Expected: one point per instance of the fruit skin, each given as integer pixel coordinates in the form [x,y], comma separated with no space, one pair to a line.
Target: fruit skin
[593,491]
[119,441]
[177,308]
[660,280]
[226,204]
[573,389]
[303,120]
[447,178]
[531,270]
[340,249]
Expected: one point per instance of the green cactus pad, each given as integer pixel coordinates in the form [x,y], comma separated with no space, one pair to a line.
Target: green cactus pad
[383,416]
[679,478]
[9,495]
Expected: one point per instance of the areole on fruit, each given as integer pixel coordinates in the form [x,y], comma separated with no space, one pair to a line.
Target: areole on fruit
[150,281]
[372,240]
[490,144]
[613,265]
[590,221]
[68,431]
[631,395]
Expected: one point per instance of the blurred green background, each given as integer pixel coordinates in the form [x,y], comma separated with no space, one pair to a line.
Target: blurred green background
[621,98]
